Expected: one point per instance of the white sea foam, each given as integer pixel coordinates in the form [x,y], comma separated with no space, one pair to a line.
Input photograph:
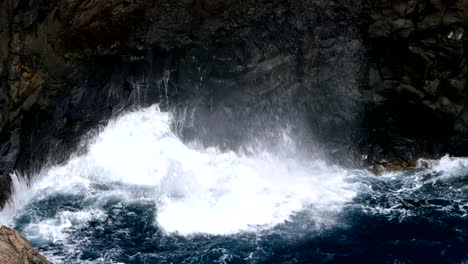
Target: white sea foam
[54,229]
[21,195]
[196,190]
[446,167]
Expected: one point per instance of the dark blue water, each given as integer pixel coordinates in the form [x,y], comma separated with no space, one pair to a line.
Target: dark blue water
[412,217]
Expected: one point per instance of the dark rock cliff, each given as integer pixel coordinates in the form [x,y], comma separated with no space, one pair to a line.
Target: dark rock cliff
[383,79]
[417,77]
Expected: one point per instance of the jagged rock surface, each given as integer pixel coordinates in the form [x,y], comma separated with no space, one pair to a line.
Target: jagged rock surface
[15,249]
[417,79]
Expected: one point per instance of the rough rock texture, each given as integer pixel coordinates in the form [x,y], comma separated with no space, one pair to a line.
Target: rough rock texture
[382,79]
[417,79]
[15,249]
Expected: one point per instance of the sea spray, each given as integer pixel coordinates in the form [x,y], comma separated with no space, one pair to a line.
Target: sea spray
[198,190]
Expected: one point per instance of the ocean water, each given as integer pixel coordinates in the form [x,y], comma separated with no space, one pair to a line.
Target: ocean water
[139,194]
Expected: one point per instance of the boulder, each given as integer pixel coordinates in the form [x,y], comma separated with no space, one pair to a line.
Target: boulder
[15,249]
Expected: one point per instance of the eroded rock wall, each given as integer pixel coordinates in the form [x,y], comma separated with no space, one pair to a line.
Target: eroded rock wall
[417,79]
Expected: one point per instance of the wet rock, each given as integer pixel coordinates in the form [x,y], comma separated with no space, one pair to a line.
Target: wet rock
[378,169]
[400,28]
[9,152]
[410,92]
[445,105]
[380,29]
[14,248]
[5,187]
[382,167]
[432,87]
[456,87]
[429,22]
